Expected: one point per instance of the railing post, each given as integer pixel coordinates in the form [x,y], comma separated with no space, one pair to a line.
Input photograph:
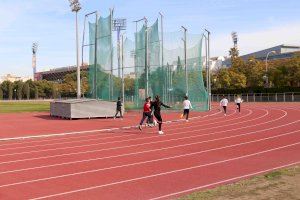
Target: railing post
[276,97]
[260,97]
[247,98]
[293,97]
[253,97]
[283,97]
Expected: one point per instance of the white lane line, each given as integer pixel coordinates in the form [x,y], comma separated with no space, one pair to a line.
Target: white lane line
[95,139]
[167,173]
[108,132]
[225,181]
[74,132]
[128,140]
[148,161]
[153,150]
[112,142]
[136,145]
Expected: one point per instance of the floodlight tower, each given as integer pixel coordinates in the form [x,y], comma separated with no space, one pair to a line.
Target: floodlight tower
[34,50]
[234,39]
[118,26]
[75,7]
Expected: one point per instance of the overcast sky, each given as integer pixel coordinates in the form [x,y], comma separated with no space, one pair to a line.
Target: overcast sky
[259,24]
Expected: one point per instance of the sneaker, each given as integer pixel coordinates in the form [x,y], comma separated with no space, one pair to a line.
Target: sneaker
[187,120]
[160,132]
[140,127]
[224,114]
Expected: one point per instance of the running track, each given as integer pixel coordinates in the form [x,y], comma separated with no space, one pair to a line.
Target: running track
[209,150]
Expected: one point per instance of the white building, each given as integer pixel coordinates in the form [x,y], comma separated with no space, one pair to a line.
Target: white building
[13,78]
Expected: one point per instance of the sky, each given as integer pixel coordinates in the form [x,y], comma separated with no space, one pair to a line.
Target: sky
[259,23]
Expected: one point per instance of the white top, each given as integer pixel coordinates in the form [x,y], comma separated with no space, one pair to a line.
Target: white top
[187,104]
[238,100]
[224,102]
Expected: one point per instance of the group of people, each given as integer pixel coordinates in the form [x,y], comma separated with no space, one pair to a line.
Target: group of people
[152,109]
[224,102]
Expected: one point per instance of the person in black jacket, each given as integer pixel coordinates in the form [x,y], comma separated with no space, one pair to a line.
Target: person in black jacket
[157,107]
[119,108]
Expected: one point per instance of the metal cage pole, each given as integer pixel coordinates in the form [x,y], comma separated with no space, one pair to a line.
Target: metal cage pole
[123,82]
[146,59]
[185,62]
[111,57]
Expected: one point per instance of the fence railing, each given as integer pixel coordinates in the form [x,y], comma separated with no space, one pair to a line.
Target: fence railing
[262,97]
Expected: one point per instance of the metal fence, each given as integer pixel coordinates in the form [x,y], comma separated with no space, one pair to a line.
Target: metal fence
[262,97]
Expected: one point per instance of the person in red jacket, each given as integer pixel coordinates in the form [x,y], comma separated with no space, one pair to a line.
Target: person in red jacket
[146,112]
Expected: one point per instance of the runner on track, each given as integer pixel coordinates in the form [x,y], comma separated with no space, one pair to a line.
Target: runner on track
[186,108]
[224,103]
[157,107]
[238,102]
[146,112]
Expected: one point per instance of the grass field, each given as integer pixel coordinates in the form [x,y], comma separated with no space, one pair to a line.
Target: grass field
[276,185]
[24,106]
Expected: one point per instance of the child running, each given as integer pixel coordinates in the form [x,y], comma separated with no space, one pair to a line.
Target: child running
[238,102]
[146,112]
[157,107]
[224,103]
[186,108]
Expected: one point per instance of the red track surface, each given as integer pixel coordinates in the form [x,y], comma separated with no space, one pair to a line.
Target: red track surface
[209,150]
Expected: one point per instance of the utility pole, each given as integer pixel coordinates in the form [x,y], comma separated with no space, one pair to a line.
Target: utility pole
[185,62]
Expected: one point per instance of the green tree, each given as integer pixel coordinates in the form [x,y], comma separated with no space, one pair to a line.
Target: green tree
[10,90]
[19,89]
[1,94]
[26,90]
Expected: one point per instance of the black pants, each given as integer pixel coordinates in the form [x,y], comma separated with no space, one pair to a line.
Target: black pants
[186,113]
[224,107]
[150,120]
[145,115]
[159,119]
[239,106]
[119,111]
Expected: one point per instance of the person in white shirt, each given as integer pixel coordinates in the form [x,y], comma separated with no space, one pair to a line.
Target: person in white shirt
[224,103]
[186,108]
[238,100]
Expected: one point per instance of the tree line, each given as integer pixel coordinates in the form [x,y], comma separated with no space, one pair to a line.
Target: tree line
[252,74]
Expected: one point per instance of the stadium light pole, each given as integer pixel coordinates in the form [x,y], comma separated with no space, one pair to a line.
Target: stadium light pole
[185,62]
[75,7]
[34,50]
[208,58]
[266,75]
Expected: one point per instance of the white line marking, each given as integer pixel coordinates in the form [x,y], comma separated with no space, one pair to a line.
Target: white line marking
[121,147]
[145,162]
[165,173]
[226,180]
[102,143]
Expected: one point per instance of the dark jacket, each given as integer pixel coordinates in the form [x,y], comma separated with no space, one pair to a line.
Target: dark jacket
[157,106]
[119,105]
